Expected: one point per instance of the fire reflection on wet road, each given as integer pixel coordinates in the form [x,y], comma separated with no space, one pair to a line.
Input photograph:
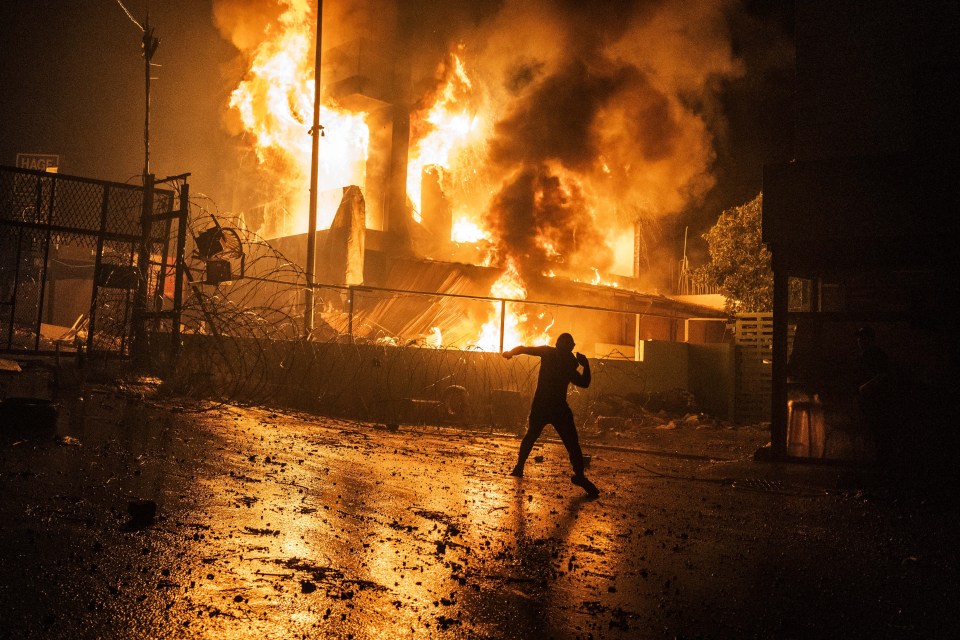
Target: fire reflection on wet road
[274,525]
[351,530]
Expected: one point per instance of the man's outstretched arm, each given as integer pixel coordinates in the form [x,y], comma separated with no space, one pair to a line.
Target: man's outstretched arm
[524,351]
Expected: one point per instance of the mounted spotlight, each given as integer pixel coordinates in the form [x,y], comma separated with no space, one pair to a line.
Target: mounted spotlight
[210,243]
[218,271]
[221,249]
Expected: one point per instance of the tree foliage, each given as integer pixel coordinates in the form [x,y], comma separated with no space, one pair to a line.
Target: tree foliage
[739,262]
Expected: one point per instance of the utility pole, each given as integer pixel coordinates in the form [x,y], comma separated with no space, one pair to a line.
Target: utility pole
[316,131]
[149,45]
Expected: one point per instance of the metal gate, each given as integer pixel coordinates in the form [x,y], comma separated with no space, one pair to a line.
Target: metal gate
[753,334]
[70,271]
[754,338]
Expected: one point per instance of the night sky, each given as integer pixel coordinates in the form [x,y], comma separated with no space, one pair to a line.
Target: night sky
[72,83]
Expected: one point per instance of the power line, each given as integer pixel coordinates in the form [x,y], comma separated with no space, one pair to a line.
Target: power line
[130,15]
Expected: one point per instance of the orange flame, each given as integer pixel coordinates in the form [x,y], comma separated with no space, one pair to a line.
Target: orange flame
[275,105]
[518,327]
[468,231]
[600,280]
[449,135]
[450,127]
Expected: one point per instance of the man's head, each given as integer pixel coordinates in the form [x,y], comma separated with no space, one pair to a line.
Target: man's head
[565,342]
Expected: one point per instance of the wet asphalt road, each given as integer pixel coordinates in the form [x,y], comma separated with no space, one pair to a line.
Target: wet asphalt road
[276,525]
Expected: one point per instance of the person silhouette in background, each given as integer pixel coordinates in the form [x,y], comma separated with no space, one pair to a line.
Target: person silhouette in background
[877,401]
[558,368]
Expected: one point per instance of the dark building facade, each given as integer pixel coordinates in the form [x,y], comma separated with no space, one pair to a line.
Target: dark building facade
[862,225]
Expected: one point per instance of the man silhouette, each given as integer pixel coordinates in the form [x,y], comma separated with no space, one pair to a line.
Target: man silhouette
[558,368]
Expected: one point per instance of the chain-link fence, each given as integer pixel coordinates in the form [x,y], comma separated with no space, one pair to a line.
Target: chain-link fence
[389,355]
[69,276]
[69,248]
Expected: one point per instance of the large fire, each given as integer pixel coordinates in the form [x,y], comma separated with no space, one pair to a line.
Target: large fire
[275,105]
[444,133]
[549,154]
[518,326]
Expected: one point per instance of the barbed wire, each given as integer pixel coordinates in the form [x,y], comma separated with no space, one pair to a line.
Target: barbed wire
[242,342]
[375,354]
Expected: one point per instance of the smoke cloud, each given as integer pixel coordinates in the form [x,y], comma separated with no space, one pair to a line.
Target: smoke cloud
[610,104]
[245,23]
[602,113]
[544,223]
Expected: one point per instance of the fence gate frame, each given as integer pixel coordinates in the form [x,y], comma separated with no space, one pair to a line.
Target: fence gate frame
[40,211]
[753,336]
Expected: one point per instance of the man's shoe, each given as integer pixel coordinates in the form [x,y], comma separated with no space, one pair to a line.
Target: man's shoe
[517,472]
[589,487]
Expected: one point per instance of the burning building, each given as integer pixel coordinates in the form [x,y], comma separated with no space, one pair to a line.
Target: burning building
[523,151]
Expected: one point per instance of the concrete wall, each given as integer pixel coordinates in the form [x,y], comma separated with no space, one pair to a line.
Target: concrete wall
[706,370]
[712,371]
[388,384]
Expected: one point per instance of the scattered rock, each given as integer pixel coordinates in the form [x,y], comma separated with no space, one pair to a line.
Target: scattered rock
[142,512]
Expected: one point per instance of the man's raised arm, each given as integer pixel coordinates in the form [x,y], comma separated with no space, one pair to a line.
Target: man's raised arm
[582,379]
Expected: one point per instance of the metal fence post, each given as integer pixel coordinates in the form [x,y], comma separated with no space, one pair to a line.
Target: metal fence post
[503,321]
[179,268]
[46,256]
[143,272]
[636,338]
[350,312]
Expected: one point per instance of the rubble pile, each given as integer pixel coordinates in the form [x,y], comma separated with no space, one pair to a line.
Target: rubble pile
[633,412]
